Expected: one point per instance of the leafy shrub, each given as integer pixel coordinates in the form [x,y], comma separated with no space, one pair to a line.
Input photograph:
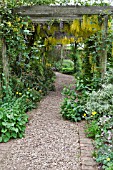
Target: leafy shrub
[99,109]
[13,119]
[67,66]
[72,107]
[92,129]
[104,142]
[101,101]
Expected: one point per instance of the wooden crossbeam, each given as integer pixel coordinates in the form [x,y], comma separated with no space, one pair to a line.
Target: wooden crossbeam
[43,13]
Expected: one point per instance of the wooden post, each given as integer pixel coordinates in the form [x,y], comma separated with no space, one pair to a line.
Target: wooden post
[104,47]
[5,63]
[62,53]
[75,57]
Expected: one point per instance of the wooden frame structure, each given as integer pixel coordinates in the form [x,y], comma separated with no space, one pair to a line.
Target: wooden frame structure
[43,13]
[40,14]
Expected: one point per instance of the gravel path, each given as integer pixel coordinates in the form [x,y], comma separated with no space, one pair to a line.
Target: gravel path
[50,143]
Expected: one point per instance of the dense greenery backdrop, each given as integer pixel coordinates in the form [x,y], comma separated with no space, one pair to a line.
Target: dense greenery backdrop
[29,76]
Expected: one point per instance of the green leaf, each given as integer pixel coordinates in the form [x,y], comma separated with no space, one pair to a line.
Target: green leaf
[1,115]
[0,139]
[1,109]
[4,87]
[14,129]
[10,116]
[4,130]
[14,135]
[20,135]
[8,125]
[4,123]
[8,134]
[6,138]
[26,31]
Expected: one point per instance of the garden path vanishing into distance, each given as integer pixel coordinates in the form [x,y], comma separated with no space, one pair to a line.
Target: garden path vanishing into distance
[50,142]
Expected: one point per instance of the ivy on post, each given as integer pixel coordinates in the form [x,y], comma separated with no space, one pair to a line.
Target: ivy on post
[5,63]
[104,47]
[0,62]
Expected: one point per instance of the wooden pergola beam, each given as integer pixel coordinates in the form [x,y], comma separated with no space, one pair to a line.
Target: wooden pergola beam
[43,13]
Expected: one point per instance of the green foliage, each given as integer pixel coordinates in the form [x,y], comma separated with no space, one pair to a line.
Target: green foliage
[96,106]
[101,101]
[99,110]
[72,107]
[65,66]
[92,129]
[15,3]
[13,119]
[89,66]
[29,77]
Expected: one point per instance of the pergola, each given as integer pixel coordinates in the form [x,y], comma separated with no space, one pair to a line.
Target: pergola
[40,14]
[43,14]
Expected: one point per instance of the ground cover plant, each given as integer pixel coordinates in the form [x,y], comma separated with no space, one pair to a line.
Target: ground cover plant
[99,111]
[96,107]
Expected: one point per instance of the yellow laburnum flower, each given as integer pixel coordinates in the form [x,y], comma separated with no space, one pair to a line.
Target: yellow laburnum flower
[94,113]
[17,92]
[84,114]
[46,42]
[9,24]
[35,43]
[48,65]
[72,40]
[20,94]
[17,19]
[38,29]
[33,28]
[65,41]
[15,29]
[108,159]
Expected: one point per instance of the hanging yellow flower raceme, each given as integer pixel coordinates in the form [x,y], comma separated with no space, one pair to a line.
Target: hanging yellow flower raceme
[66,28]
[72,40]
[65,41]
[52,40]
[9,24]
[75,27]
[46,42]
[84,22]
[90,59]
[38,29]
[80,39]
[17,19]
